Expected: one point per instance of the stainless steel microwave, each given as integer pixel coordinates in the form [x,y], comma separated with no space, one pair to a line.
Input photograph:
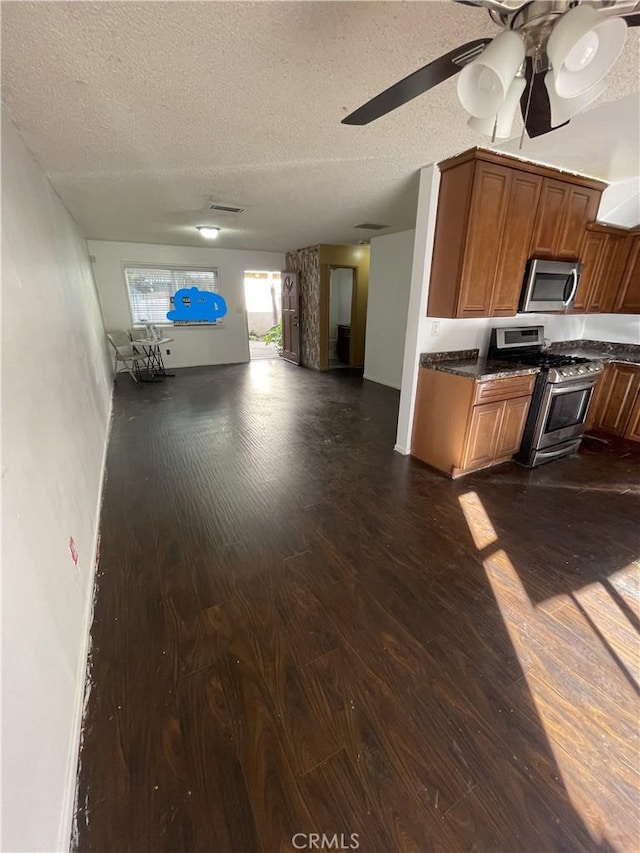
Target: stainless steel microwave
[550,286]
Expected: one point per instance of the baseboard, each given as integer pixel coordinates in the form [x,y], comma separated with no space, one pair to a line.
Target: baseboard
[82,694]
[405,451]
[380,381]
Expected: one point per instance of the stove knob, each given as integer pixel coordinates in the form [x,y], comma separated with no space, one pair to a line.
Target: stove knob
[565,372]
[581,369]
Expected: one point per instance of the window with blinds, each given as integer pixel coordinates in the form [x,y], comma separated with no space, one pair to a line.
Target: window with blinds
[151,290]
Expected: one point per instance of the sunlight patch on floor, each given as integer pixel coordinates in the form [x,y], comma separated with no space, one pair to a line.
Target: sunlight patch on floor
[626,583]
[477,520]
[581,664]
[615,629]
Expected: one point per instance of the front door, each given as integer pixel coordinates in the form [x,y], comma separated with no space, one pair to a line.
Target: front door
[290,317]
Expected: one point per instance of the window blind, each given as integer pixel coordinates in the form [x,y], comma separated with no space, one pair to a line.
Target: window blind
[151,289]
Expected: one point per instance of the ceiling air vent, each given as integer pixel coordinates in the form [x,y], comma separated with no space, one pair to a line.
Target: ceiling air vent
[371,226]
[225,208]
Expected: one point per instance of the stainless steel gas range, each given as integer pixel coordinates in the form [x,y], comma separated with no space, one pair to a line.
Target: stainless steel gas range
[561,395]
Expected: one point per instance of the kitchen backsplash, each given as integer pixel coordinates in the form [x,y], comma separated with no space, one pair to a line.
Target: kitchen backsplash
[474,333]
[623,328]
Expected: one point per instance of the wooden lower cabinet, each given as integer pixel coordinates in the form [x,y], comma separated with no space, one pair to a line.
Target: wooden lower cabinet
[495,432]
[483,435]
[632,431]
[616,403]
[513,420]
[456,433]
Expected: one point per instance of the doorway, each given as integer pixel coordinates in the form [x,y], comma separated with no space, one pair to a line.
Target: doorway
[264,313]
[340,313]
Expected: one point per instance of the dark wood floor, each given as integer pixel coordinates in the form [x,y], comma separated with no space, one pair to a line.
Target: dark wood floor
[298,630]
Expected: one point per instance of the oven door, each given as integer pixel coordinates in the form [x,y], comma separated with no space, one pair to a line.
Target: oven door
[550,286]
[563,412]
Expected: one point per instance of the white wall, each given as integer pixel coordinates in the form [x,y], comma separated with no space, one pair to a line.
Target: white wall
[55,416]
[620,204]
[624,328]
[195,345]
[389,287]
[473,333]
[429,185]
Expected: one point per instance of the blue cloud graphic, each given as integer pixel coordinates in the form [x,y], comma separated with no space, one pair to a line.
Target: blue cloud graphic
[192,305]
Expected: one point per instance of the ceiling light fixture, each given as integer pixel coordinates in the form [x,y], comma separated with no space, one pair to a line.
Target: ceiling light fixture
[209,231]
[564,109]
[583,48]
[484,83]
[499,126]
[578,40]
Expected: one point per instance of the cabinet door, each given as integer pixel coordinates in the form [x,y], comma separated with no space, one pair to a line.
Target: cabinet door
[484,237]
[599,393]
[522,201]
[483,434]
[628,298]
[591,255]
[607,281]
[563,213]
[512,426]
[617,399]
[554,200]
[632,431]
[581,207]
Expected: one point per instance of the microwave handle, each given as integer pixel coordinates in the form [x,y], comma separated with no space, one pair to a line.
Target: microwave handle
[574,287]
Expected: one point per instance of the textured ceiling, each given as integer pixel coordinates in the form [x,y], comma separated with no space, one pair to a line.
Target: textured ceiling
[141,112]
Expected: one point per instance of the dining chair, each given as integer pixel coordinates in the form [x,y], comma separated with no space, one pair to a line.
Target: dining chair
[126,357]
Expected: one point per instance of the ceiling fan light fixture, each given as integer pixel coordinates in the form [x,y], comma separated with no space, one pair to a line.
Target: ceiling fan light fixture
[582,49]
[563,109]
[484,83]
[502,123]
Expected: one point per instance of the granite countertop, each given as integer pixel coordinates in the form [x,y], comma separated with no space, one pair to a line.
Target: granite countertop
[600,350]
[468,363]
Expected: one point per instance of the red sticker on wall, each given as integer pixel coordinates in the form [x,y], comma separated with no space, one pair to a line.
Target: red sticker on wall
[72,551]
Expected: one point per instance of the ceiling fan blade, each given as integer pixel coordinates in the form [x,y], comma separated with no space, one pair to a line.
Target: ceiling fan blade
[417,83]
[534,103]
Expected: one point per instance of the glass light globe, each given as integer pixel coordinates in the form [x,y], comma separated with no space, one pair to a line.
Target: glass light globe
[583,52]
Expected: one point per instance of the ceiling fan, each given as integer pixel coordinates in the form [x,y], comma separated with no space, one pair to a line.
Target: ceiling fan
[551,57]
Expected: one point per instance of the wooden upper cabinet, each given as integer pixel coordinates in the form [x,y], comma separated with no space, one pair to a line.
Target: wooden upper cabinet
[605,257]
[554,199]
[489,199]
[563,213]
[494,213]
[591,255]
[582,207]
[628,297]
[522,201]
[607,283]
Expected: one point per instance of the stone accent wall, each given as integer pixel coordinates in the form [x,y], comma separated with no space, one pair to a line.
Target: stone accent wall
[306,262]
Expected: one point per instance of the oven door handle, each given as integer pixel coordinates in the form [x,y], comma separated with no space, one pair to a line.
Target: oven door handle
[568,448]
[574,287]
[558,388]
